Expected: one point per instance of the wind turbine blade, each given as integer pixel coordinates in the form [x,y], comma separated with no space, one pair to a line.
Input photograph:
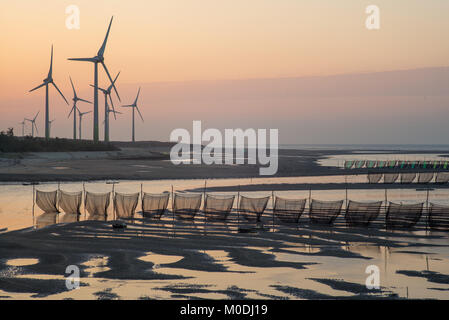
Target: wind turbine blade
[35,126]
[41,85]
[34,119]
[54,84]
[73,87]
[71,110]
[137,97]
[110,79]
[127,106]
[103,46]
[110,87]
[82,59]
[50,72]
[84,100]
[137,108]
[113,108]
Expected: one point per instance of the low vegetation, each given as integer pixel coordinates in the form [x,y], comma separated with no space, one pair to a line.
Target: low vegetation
[11,143]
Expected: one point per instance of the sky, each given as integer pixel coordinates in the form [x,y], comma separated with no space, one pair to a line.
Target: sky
[249,64]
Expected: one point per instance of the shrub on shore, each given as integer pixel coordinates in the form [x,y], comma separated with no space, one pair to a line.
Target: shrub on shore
[11,143]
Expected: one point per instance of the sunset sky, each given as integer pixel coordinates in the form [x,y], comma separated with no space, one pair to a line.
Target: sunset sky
[204,60]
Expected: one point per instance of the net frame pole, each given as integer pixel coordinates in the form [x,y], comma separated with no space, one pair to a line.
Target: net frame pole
[427,208]
[141,198]
[34,201]
[310,200]
[204,201]
[84,195]
[113,200]
[272,205]
[173,209]
[57,201]
[238,209]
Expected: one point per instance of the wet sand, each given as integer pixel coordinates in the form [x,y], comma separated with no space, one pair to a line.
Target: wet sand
[194,260]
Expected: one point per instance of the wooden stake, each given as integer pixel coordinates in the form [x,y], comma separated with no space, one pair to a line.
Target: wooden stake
[173,208]
[33,204]
[272,204]
[84,195]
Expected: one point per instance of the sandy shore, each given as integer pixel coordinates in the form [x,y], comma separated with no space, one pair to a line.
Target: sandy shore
[147,163]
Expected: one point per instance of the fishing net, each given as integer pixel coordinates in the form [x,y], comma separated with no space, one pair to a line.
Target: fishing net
[125,204]
[324,211]
[97,204]
[425,177]
[362,213]
[70,202]
[289,210]
[391,177]
[407,177]
[442,177]
[438,217]
[252,208]
[47,201]
[359,164]
[186,206]
[403,215]
[374,177]
[154,205]
[349,164]
[218,207]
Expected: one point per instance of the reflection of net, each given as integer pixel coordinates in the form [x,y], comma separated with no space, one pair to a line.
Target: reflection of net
[289,210]
[125,204]
[442,177]
[70,202]
[154,205]
[186,206]
[407,177]
[218,207]
[46,201]
[374,177]
[425,177]
[252,208]
[403,215]
[46,219]
[391,177]
[97,204]
[324,211]
[439,217]
[362,213]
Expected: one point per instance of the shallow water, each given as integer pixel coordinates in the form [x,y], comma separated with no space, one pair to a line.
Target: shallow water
[16,200]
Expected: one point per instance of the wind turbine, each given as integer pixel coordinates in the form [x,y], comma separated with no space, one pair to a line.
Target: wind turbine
[134,106]
[23,127]
[74,108]
[33,124]
[46,82]
[50,122]
[81,114]
[99,58]
[107,92]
